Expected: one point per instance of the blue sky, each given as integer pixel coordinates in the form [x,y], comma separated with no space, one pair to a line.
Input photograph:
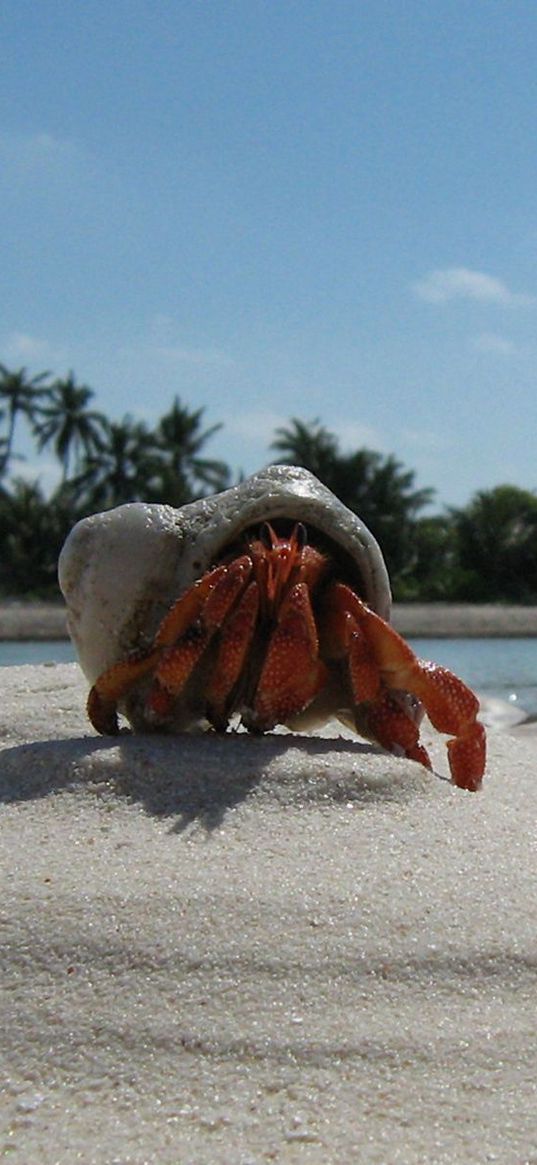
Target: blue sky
[274,209]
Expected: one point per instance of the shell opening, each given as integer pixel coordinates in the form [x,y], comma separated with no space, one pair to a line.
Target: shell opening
[344,566]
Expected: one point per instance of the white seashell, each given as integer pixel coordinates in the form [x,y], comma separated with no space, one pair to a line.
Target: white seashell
[121,570]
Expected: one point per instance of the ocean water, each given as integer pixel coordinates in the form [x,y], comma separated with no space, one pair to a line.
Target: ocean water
[36,651]
[503,668]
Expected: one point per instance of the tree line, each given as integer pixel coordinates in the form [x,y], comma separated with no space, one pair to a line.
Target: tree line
[483,552]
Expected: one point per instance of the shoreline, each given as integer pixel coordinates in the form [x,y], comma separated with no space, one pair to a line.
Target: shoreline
[23,621]
[465,620]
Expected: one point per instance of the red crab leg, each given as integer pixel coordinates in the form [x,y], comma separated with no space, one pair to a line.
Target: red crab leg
[394,729]
[112,685]
[187,608]
[177,661]
[235,643]
[118,680]
[292,673]
[451,706]
[378,716]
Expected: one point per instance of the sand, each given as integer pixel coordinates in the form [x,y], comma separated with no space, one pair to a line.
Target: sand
[284,949]
[23,621]
[452,620]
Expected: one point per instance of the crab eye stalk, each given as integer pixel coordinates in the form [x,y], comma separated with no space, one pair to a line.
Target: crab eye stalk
[300,536]
[266,535]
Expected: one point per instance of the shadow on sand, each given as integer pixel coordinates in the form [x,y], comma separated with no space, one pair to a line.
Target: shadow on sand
[200,778]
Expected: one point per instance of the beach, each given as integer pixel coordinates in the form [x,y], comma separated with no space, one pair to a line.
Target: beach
[278,949]
[23,621]
[41,620]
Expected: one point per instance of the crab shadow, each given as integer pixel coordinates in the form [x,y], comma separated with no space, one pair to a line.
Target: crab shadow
[200,778]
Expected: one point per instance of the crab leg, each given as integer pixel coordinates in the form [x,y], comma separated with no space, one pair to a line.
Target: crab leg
[380,662]
[292,673]
[119,679]
[387,722]
[378,715]
[235,643]
[187,608]
[112,685]
[178,661]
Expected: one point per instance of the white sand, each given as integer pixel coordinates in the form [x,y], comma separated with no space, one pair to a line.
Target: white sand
[261,950]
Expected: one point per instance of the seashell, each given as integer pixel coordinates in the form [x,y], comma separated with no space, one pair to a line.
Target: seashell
[121,570]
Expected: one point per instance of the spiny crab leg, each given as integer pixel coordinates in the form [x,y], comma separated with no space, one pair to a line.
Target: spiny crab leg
[113,685]
[381,663]
[179,660]
[117,681]
[232,657]
[292,673]
[388,722]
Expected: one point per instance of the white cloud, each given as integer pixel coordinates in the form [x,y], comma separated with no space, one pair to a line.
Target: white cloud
[180,354]
[494,345]
[426,440]
[448,283]
[163,342]
[352,435]
[256,425]
[38,153]
[23,348]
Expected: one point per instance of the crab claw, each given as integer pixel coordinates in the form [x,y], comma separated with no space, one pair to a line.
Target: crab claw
[450,705]
[382,666]
[451,708]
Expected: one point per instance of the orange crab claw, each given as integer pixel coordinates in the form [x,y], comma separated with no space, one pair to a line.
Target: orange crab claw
[381,662]
[452,708]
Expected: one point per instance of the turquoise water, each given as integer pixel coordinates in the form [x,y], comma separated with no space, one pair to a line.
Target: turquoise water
[34,651]
[505,668]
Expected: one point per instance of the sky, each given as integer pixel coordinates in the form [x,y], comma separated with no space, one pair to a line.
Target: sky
[281,208]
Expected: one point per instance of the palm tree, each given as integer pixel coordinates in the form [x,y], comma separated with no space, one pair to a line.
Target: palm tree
[185,474]
[32,530]
[67,422]
[497,545]
[21,394]
[377,488]
[434,574]
[125,467]
[309,444]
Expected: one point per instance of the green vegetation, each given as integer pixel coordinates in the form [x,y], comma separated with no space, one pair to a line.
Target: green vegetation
[486,552]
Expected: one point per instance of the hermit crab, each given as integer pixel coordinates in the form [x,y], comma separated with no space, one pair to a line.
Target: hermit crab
[268,604]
